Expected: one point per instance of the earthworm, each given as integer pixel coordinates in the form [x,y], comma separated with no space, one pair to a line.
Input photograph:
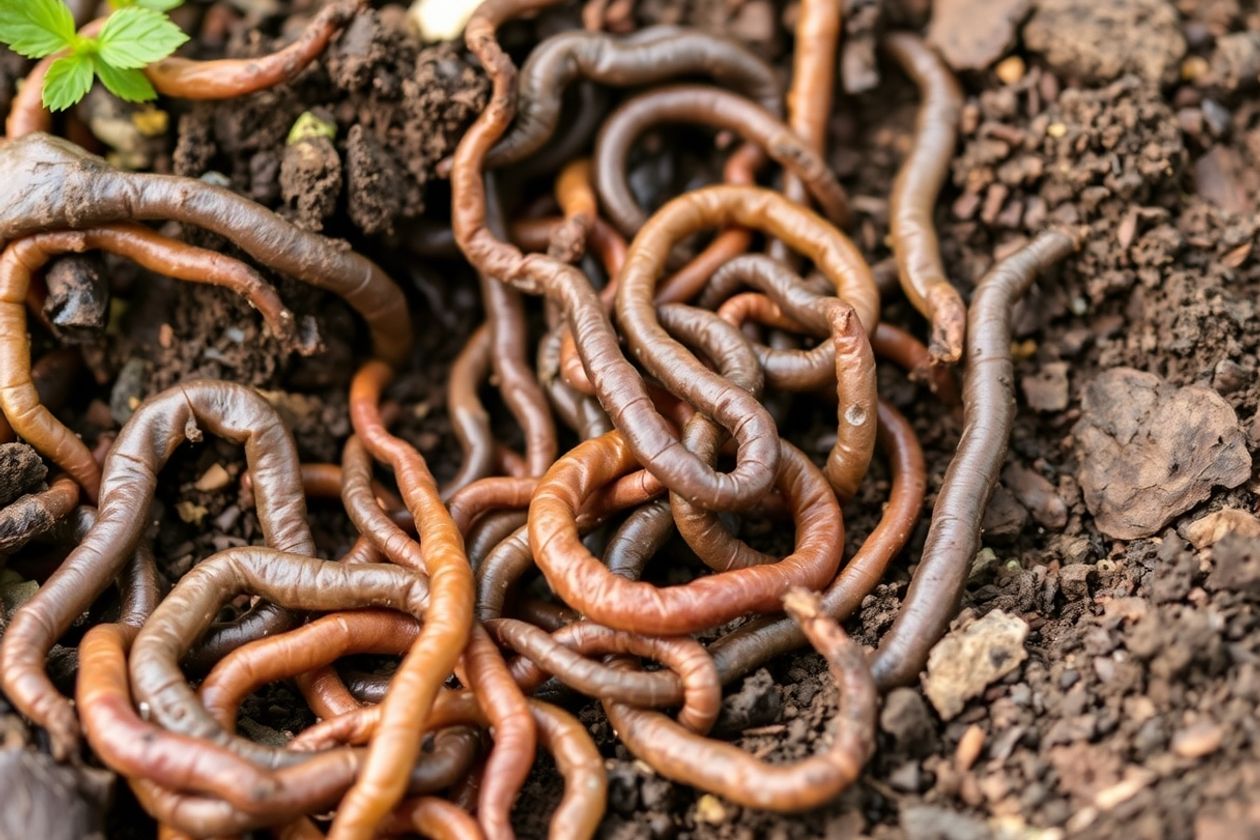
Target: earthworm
[711,107]
[54,376]
[587,113]
[447,623]
[914,194]
[234,77]
[565,653]
[580,411]
[36,513]
[515,733]
[576,197]
[302,649]
[988,413]
[432,817]
[366,514]
[740,777]
[145,443]
[906,351]
[186,79]
[813,80]
[47,178]
[509,335]
[18,395]
[491,530]
[746,648]
[326,481]
[469,419]
[586,584]
[650,55]
[620,388]
[503,566]
[487,494]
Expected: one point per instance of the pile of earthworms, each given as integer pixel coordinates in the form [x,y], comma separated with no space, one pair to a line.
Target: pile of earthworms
[676,341]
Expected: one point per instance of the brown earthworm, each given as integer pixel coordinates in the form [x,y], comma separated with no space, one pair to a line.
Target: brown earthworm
[914,193]
[988,413]
[738,776]
[813,80]
[564,654]
[366,514]
[711,107]
[469,419]
[185,79]
[621,390]
[489,531]
[650,55]
[156,429]
[487,494]
[576,197]
[432,817]
[18,395]
[46,180]
[54,376]
[447,624]
[586,584]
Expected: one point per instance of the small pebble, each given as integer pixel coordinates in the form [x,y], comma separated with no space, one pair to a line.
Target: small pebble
[969,746]
[215,478]
[709,809]
[1010,70]
[1198,740]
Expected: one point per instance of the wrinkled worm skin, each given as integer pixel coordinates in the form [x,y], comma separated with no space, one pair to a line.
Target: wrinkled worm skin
[988,413]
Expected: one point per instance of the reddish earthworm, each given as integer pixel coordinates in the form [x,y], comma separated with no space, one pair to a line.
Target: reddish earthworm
[447,624]
[46,180]
[18,395]
[906,351]
[579,411]
[432,817]
[366,514]
[36,513]
[914,193]
[565,653]
[515,732]
[324,481]
[988,413]
[813,80]
[156,429]
[740,777]
[307,647]
[650,55]
[54,376]
[586,584]
[752,644]
[718,109]
[185,79]
[576,197]
[620,388]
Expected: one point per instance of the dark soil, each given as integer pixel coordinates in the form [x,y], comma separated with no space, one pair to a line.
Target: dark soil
[1137,122]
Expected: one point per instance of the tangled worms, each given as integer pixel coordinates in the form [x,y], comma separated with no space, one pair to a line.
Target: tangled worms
[614,525]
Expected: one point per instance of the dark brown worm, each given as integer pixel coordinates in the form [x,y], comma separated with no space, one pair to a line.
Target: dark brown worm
[565,653]
[717,109]
[988,413]
[35,514]
[651,55]
[914,192]
[156,429]
[621,390]
[469,419]
[738,776]
[51,184]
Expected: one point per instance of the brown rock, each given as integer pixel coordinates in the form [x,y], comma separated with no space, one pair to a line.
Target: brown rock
[1037,494]
[1149,451]
[1208,530]
[1096,42]
[972,34]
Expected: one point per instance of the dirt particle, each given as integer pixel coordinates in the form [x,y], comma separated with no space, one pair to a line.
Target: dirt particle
[50,800]
[214,478]
[906,718]
[930,822]
[709,809]
[1211,528]
[1198,740]
[1096,42]
[969,746]
[21,469]
[969,659]
[310,181]
[1047,390]
[1149,451]
[972,34]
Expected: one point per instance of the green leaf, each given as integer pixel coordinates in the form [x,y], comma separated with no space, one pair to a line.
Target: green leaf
[68,80]
[35,28]
[159,5]
[127,84]
[136,37]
